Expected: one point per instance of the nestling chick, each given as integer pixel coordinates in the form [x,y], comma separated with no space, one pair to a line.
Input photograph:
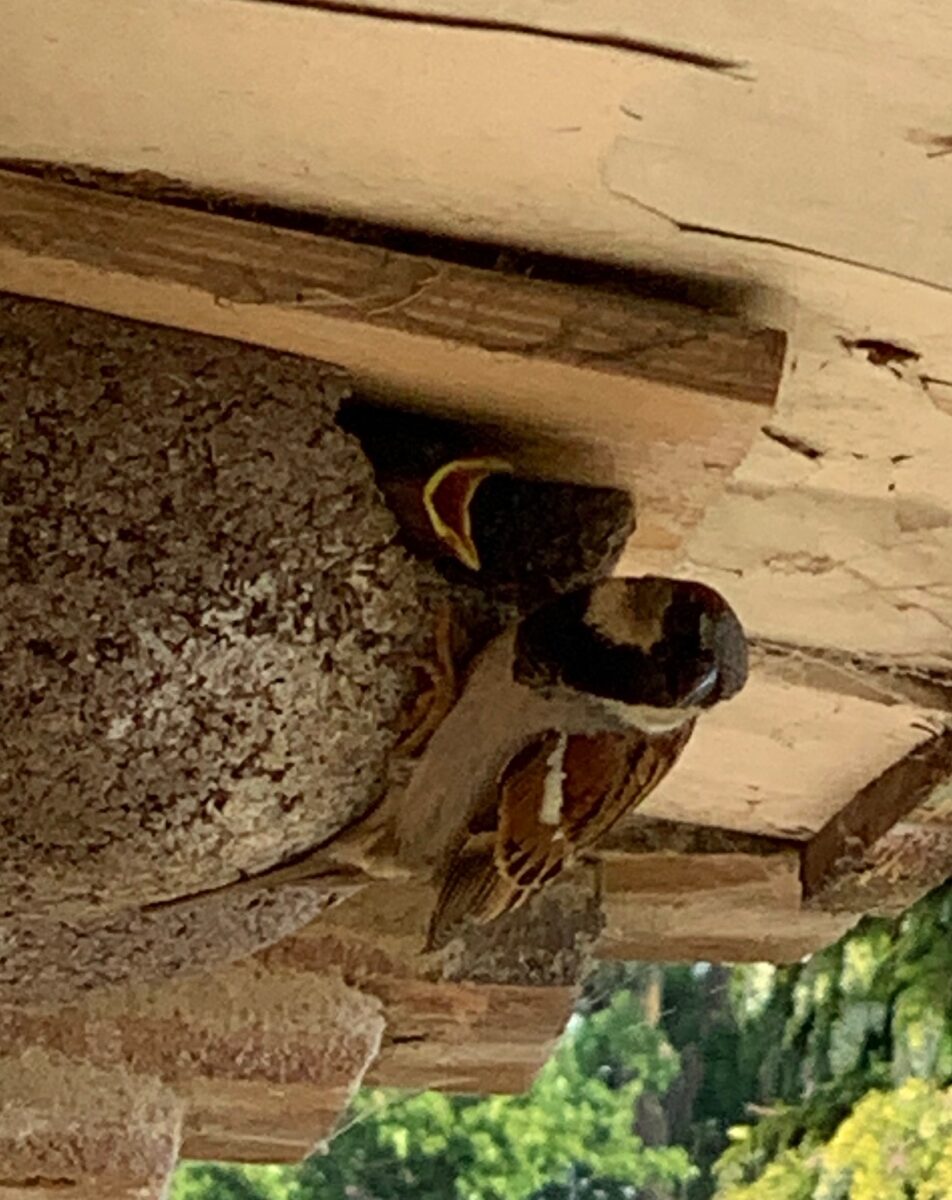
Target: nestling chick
[459,502]
[504,544]
[566,721]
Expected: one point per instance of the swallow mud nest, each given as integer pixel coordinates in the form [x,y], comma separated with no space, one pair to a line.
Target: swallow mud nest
[206,635]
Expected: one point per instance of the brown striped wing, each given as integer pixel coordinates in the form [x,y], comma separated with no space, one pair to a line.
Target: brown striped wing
[606,775]
[609,775]
[499,868]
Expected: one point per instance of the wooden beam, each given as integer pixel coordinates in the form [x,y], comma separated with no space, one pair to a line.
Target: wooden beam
[640,835]
[648,392]
[894,871]
[781,760]
[892,843]
[718,907]
[443,1030]
[555,137]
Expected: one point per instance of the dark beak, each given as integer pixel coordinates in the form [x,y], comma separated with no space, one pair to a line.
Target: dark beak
[701,690]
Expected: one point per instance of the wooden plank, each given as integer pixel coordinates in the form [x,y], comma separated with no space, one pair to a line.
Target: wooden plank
[530,141]
[468,1037]
[781,760]
[892,843]
[732,907]
[845,551]
[358,284]
[452,1035]
[896,870]
[797,937]
[648,391]
[238,1120]
[639,835]
[643,158]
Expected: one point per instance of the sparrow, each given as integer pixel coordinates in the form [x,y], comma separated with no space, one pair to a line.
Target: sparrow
[568,720]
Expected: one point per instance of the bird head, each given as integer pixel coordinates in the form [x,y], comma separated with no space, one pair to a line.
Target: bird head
[461,503]
[539,538]
[653,651]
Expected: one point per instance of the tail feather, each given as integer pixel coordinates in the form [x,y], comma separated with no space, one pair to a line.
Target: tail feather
[472,889]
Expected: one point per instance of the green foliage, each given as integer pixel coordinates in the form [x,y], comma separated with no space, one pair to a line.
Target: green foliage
[872,1012]
[895,1145]
[569,1136]
[216,1181]
[827,1080]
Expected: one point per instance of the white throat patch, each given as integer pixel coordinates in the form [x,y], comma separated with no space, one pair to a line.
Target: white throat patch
[647,718]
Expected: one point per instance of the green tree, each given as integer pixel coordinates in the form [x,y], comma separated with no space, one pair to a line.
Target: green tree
[570,1135]
[895,1145]
[871,1013]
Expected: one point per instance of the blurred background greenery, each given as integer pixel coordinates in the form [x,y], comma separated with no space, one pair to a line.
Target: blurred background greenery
[827,1080]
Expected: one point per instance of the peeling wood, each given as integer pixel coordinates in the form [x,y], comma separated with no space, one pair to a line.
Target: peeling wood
[845,558]
[939,144]
[791,442]
[882,353]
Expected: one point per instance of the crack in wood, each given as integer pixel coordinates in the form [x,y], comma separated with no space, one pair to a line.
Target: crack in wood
[612,41]
[881,353]
[789,440]
[757,239]
[869,676]
[49,1183]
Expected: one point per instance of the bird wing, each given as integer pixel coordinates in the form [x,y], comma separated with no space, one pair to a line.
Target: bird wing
[603,777]
[610,774]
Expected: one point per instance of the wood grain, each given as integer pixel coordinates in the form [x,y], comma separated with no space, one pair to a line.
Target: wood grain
[727,907]
[781,761]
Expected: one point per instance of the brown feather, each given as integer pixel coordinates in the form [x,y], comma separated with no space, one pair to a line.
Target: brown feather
[605,776]
[471,888]
[611,774]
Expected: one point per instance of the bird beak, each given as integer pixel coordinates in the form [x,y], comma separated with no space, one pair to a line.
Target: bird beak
[447,496]
[700,692]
